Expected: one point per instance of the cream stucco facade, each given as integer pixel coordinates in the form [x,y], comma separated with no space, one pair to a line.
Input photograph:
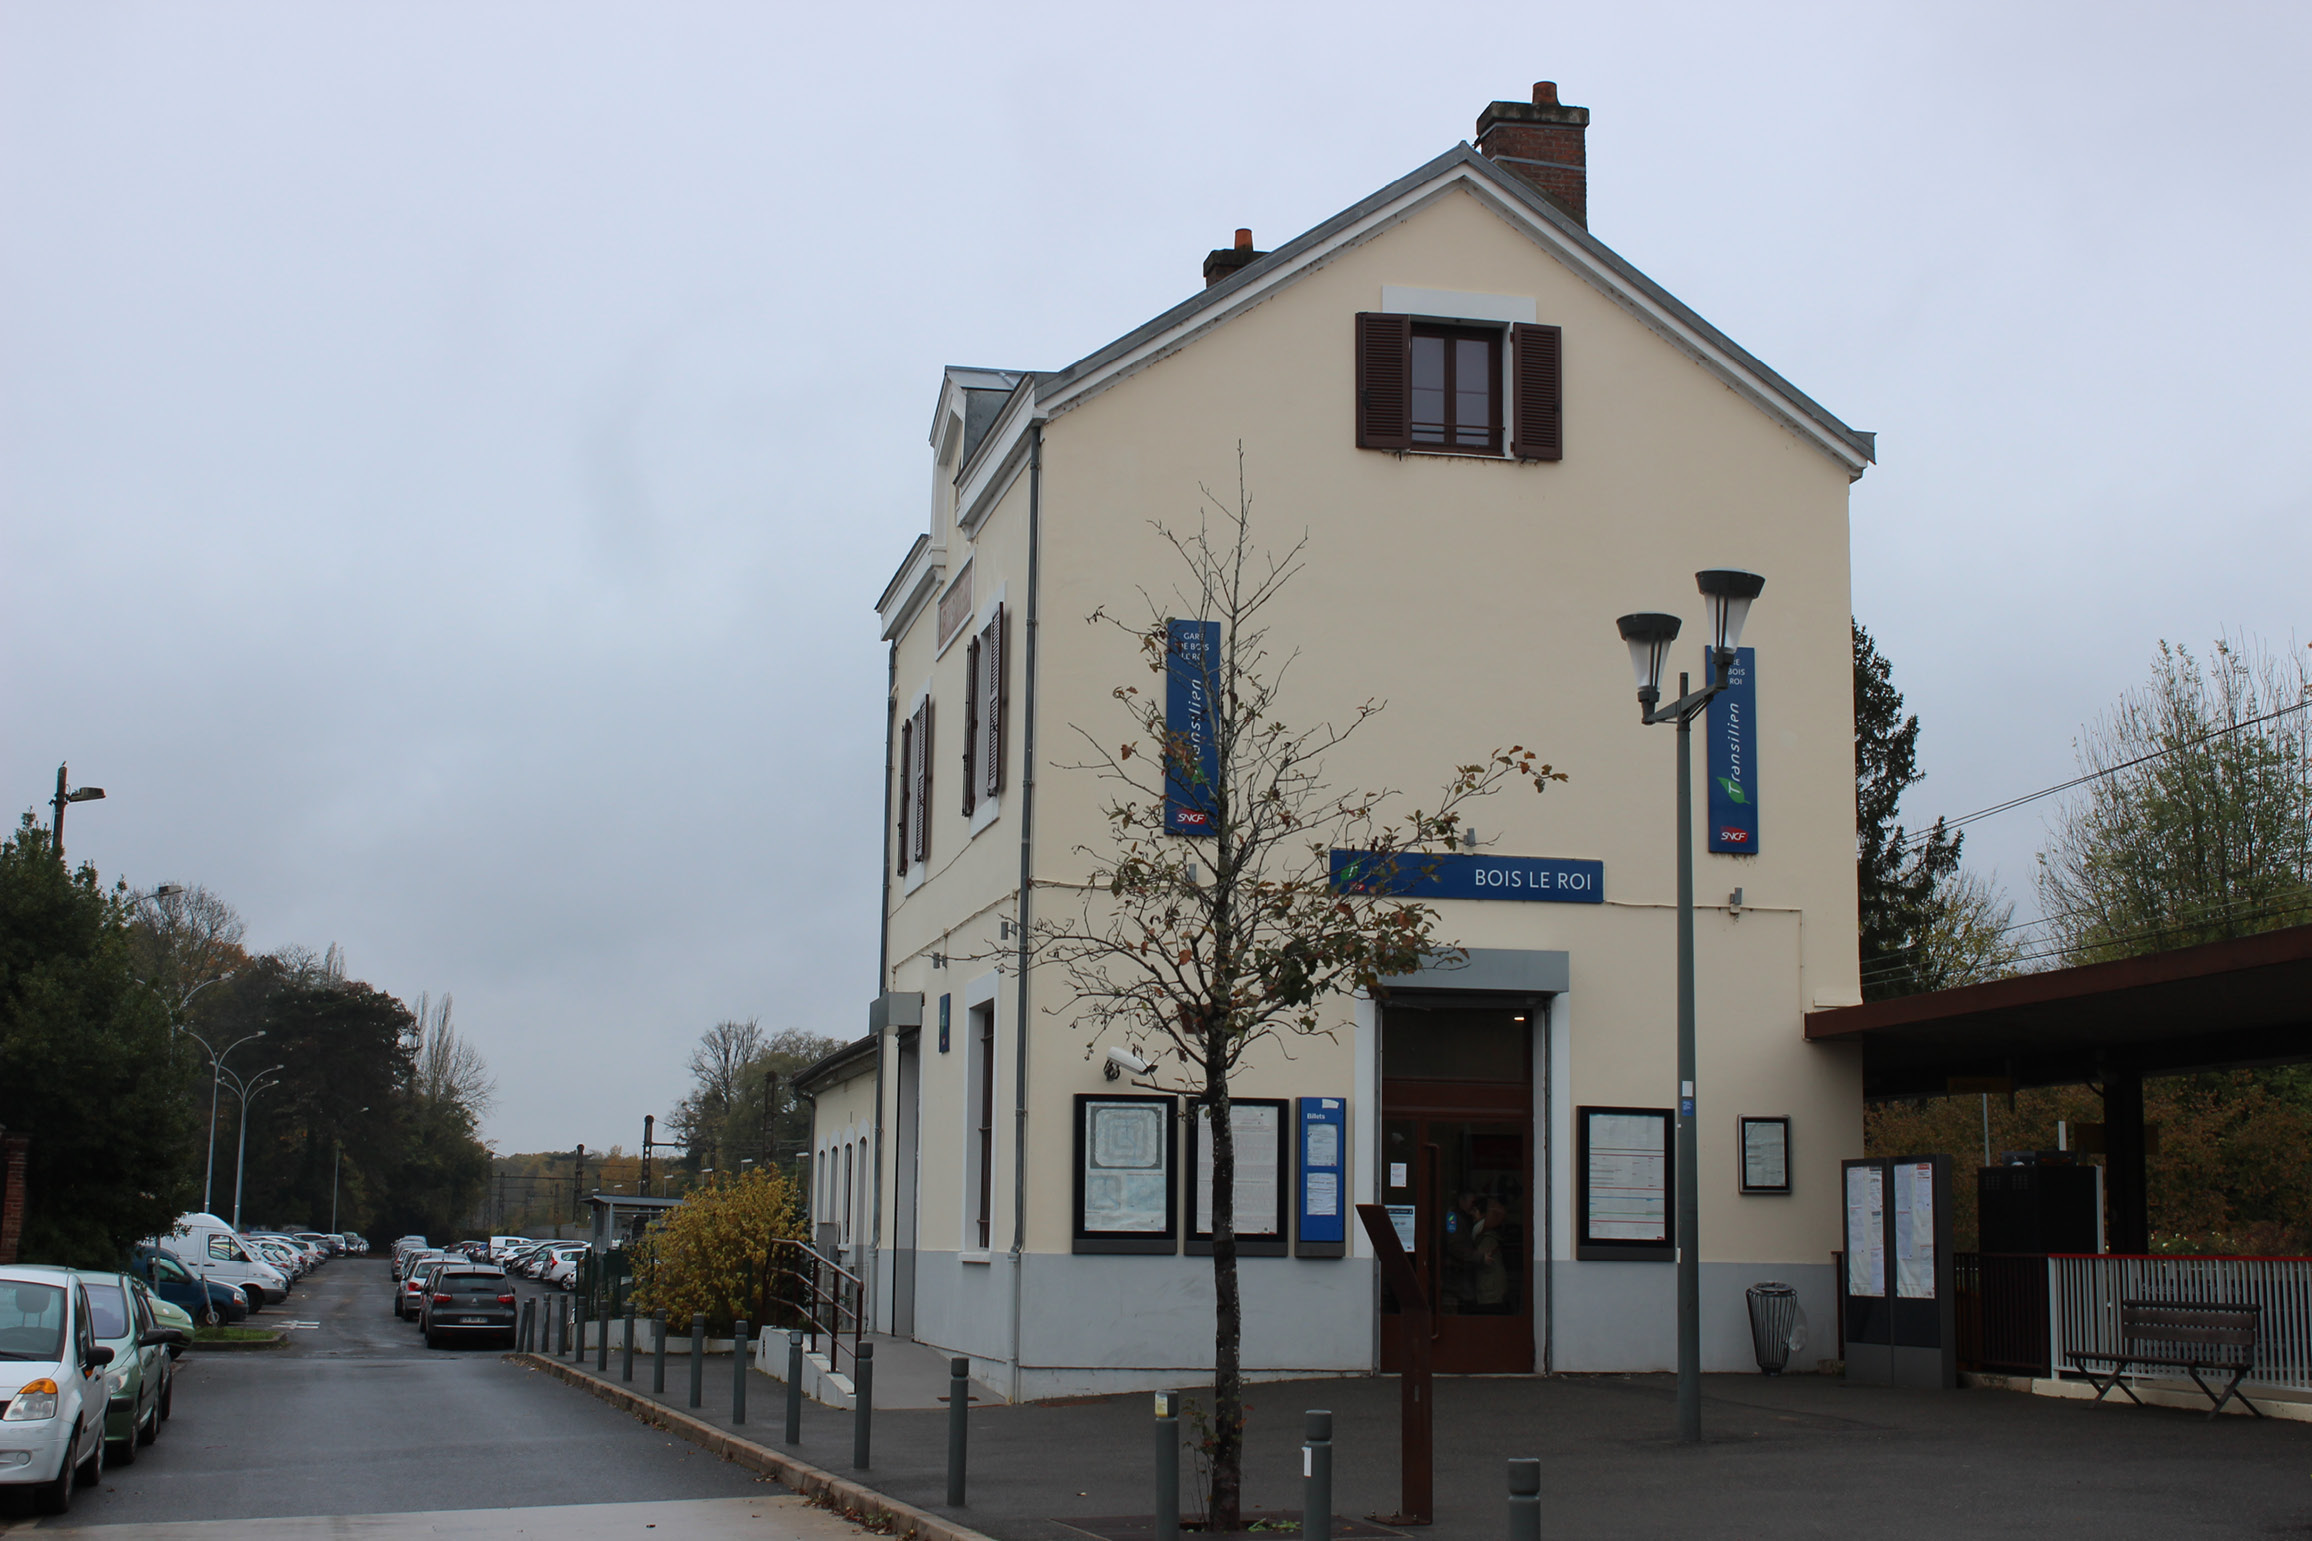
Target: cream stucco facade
[1476,596]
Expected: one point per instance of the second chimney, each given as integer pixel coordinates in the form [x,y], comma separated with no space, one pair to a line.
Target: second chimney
[1543,142]
[1225,263]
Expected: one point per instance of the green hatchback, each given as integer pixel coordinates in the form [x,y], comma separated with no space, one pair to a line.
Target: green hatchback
[138,1382]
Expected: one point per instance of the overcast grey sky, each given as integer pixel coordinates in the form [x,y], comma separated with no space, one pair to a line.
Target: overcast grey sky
[448,453]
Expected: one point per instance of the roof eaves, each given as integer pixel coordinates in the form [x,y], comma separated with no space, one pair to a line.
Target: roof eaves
[906,563]
[827,1067]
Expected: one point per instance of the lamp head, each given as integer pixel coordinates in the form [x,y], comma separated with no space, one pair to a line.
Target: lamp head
[1728,592]
[85,795]
[1649,635]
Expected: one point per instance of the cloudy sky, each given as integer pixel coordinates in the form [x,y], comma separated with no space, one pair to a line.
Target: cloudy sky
[448,453]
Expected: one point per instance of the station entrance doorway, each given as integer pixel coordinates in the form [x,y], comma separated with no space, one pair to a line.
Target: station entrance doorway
[1457,1164]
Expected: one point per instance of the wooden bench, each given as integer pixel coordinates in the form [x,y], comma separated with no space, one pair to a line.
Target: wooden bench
[2167,1334]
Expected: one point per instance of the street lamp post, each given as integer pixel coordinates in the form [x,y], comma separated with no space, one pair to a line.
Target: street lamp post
[1728,593]
[247,1091]
[63,797]
[217,1073]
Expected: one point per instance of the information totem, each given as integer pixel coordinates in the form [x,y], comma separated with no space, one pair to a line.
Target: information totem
[1901,1300]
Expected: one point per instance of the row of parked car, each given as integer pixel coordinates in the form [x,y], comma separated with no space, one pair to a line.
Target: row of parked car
[221,1275]
[466,1291]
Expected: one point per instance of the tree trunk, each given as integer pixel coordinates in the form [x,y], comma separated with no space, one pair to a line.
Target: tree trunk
[1227,1496]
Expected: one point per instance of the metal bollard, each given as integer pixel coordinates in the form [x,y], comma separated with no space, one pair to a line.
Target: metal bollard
[1317,1479]
[629,1363]
[862,1404]
[658,1352]
[739,1337]
[601,1339]
[958,1429]
[522,1328]
[1167,1466]
[795,1387]
[697,1358]
[1525,1500]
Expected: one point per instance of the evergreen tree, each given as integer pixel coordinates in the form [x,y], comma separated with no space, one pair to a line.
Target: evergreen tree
[1900,878]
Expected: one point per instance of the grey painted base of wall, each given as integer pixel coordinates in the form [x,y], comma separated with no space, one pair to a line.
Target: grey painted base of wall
[1623,1316]
[1114,1324]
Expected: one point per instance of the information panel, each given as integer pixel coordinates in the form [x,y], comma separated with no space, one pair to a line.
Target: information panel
[1263,1163]
[1626,1197]
[1125,1182]
[1766,1155]
[1321,1229]
[1901,1297]
[1733,739]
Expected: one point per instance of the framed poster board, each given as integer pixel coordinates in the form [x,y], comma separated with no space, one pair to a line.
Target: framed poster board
[1765,1155]
[1320,1228]
[1127,1176]
[1624,1186]
[1264,1135]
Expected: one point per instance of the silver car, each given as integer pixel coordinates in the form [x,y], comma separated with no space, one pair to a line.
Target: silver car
[52,1386]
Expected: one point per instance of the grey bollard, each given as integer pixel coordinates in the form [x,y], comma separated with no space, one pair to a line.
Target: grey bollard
[1525,1500]
[1317,1479]
[629,1361]
[522,1328]
[1167,1466]
[601,1339]
[697,1358]
[658,1352]
[795,1387]
[739,1336]
[958,1426]
[862,1405]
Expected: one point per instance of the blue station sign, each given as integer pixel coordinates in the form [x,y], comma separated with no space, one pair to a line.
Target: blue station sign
[1732,735]
[1469,875]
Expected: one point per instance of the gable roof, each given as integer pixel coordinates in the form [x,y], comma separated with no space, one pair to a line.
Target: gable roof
[1458,169]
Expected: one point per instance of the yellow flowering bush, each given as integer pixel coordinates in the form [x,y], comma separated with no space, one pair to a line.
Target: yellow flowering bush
[709,1253]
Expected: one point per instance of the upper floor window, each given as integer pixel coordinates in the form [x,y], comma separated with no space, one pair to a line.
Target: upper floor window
[983,712]
[1456,376]
[1439,388]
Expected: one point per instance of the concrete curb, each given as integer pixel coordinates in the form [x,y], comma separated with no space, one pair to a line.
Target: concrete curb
[846,1496]
[236,1345]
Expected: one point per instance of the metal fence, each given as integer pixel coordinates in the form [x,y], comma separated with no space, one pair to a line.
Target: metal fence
[2002,1312]
[2084,1292]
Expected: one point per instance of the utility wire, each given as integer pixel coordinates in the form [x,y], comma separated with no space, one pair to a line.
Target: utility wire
[1942,825]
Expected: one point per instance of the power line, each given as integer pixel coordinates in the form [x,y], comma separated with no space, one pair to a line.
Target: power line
[1944,825]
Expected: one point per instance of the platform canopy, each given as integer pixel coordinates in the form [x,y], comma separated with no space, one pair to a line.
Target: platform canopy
[2218,1006]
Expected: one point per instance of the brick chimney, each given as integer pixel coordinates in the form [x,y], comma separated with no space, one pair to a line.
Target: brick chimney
[1543,144]
[1223,264]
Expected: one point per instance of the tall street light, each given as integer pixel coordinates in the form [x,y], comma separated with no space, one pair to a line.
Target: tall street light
[76,795]
[247,1091]
[217,1074]
[1728,593]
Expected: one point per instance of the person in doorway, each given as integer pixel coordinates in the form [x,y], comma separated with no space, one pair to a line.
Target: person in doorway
[1489,1265]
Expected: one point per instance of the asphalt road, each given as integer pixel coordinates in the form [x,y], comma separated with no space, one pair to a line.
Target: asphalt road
[355,1416]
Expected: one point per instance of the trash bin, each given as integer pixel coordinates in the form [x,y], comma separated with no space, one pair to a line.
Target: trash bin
[1776,1324]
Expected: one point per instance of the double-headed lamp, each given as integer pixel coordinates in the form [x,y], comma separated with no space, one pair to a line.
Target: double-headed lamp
[1728,592]
[1649,636]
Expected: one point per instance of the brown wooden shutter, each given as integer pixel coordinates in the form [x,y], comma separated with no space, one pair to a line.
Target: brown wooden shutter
[1384,381]
[905,797]
[924,761]
[994,697]
[1537,379]
[971,711]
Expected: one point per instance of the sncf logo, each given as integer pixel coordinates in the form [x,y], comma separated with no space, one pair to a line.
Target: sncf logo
[1191,816]
[1734,836]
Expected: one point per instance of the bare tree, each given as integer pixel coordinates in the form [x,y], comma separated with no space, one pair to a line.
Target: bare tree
[1196,950]
[452,1077]
[183,940]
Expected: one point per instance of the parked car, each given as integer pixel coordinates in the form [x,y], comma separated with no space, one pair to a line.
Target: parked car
[330,1245]
[209,1305]
[52,1391]
[278,1253]
[467,1300]
[504,1247]
[562,1265]
[141,1376]
[409,1294]
[166,1314]
[215,1251]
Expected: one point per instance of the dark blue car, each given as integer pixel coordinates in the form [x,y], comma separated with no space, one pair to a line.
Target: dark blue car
[209,1305]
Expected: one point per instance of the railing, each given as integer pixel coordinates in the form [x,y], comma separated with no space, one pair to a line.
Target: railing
[799,1286]
[2002,1312]
[2085,1291]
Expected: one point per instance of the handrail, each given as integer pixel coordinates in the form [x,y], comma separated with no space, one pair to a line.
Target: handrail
[835,1297]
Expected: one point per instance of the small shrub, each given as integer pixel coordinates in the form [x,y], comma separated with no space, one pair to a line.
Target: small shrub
[709,1253]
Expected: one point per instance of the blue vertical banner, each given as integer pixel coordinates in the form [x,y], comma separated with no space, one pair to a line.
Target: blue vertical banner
[1733,758]
[1191,671]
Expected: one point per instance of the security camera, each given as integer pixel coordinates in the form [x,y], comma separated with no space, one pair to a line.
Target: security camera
[1125,1060]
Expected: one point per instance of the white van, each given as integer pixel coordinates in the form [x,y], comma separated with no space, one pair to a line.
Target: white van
[211,1249]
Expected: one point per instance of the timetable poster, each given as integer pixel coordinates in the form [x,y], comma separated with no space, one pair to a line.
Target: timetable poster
[1866,1230]
[1629,1176]
[1260,1150]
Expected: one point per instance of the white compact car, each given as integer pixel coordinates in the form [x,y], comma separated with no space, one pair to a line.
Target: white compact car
[52,1391]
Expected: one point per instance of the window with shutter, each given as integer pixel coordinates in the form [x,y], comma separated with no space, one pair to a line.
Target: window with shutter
[1537,368]
[1384,369]
[971,717]
[992,698]
[922,789]
[905,793]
